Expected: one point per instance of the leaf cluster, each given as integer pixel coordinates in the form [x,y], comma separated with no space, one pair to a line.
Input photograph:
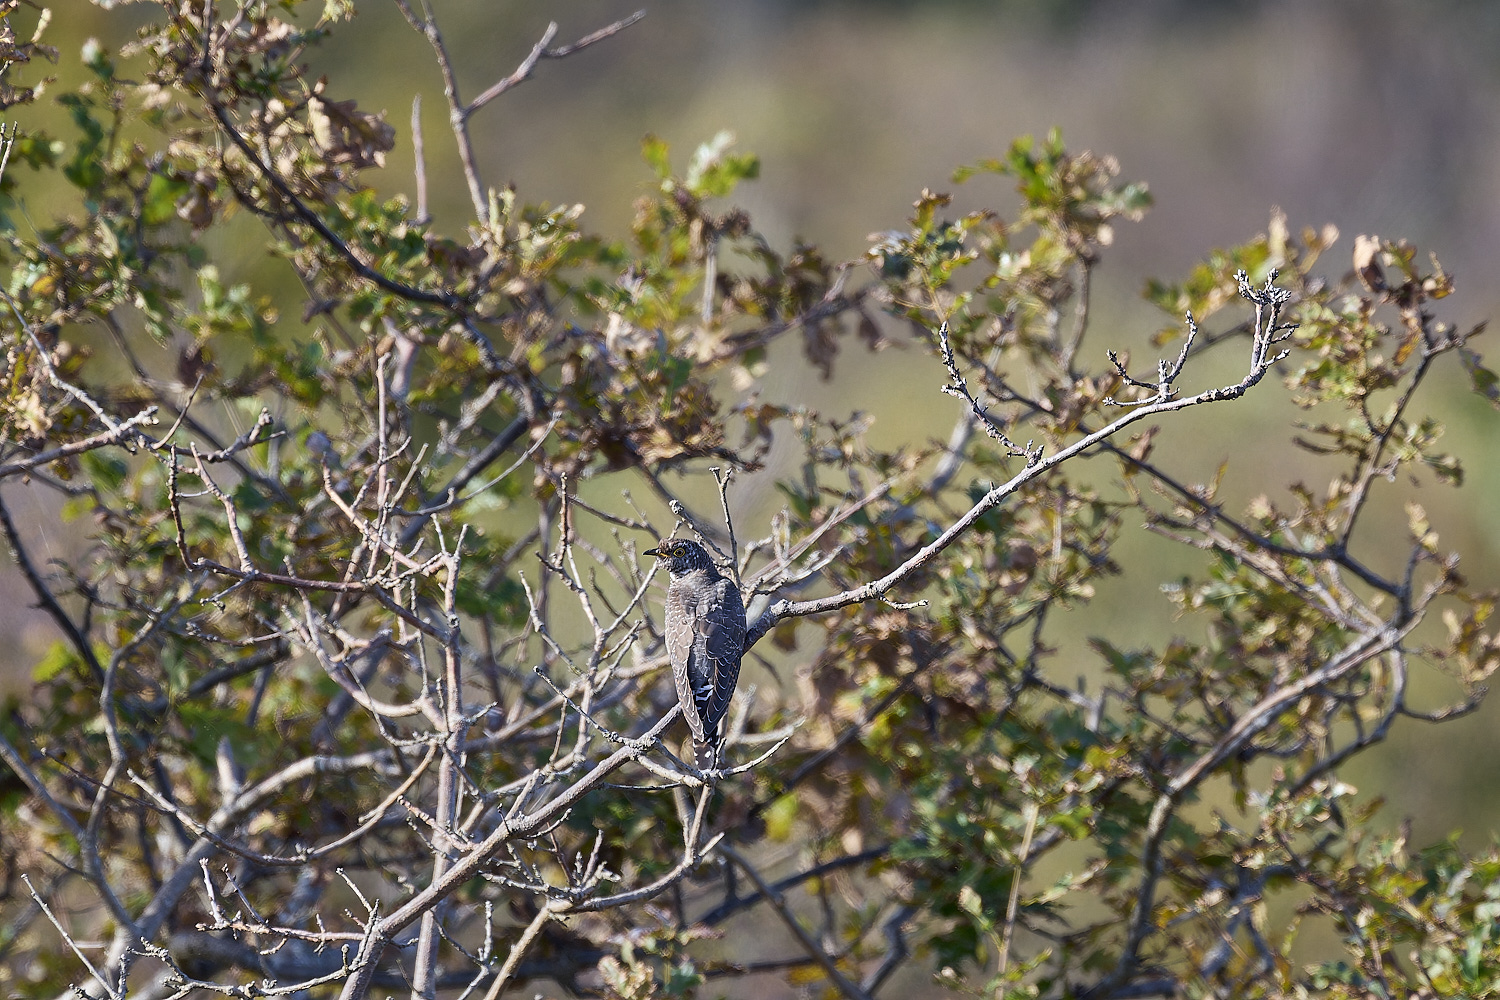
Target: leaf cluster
[357,644]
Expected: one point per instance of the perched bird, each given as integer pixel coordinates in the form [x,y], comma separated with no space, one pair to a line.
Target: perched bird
[705,626]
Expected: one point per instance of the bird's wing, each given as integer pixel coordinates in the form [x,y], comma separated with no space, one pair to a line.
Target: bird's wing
[682,638]
[724,643]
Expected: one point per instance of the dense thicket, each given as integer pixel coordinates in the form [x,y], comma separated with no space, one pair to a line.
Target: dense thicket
[358,681]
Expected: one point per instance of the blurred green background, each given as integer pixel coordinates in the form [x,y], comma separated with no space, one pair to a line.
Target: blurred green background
[1378,117]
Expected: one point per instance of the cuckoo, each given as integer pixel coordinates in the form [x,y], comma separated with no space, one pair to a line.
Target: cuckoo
[705,627]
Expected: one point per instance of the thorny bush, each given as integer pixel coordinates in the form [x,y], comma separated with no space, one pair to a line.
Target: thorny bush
[358,679]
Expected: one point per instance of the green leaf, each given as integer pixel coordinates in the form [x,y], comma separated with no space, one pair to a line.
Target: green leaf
[85,170]
[780,818]
[681,979]
[207,723]
[714,172]
[654,152]
[107,472]
[160,202]
[59,657]
[1484,381]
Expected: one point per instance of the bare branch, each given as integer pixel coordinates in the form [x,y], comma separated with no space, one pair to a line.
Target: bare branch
[540,51]
[829,965]
[1036,467]
[419,153]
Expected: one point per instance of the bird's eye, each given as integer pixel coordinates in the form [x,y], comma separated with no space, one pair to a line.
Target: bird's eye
[679,551]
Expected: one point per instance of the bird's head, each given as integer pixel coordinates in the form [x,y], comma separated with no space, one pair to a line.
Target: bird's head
[681,556]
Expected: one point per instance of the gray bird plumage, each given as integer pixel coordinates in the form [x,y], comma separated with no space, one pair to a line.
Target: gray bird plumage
[705,631]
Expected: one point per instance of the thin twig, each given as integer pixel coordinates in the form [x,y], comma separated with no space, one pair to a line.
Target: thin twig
[419,152]
[540,51]
[1036,466]
[547,911]
[1015,888]
[841,982]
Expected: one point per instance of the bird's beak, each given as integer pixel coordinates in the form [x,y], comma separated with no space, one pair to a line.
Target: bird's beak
[653,552]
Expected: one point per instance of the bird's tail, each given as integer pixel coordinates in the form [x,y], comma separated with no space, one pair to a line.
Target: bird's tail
[707,755]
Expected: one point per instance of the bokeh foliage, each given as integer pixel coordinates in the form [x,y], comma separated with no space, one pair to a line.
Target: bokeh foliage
[950,798]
